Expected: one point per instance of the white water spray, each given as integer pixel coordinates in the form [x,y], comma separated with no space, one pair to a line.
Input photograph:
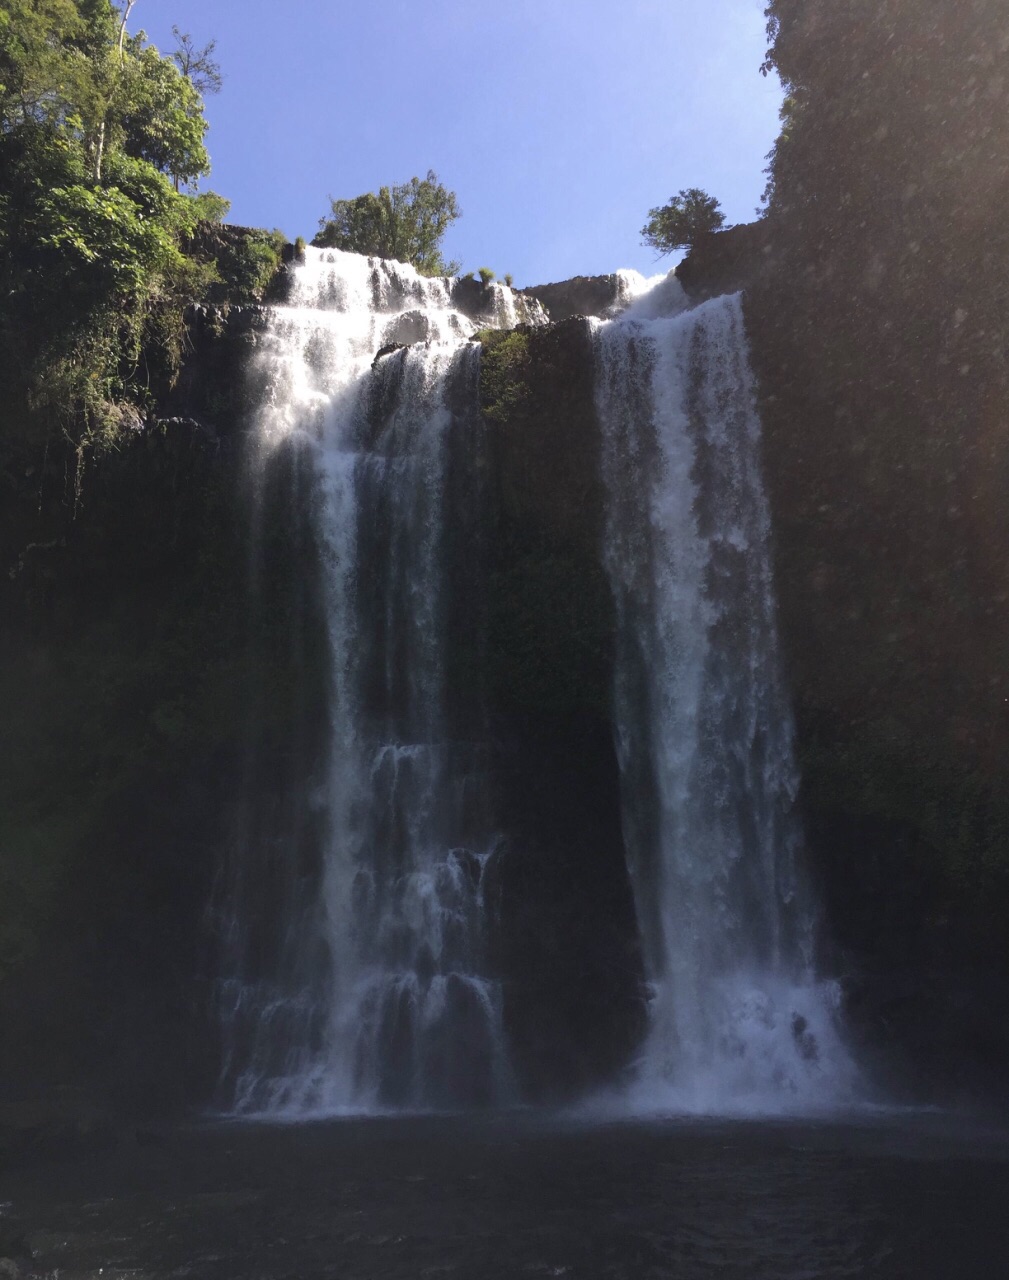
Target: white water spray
[380,994]
[704,733]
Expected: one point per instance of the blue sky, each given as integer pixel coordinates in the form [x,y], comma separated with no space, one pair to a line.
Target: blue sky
[558,123]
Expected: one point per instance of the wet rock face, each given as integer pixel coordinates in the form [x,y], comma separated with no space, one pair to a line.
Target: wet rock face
[410,327]
[551,615]
[389,349]
[566,938]
[472,297]
[728,261]
[213,387]
[580,296]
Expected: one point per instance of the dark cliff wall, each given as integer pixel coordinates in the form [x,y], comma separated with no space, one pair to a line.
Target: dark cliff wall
[130,658]
[568,942]
[580,296]
[878,327]
[895,631]
[120,636]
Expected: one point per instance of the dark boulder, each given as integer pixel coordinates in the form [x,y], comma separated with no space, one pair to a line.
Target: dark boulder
[727,261]
[580,296]
[387,350]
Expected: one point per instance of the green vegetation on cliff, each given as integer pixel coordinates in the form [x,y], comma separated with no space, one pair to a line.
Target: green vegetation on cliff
[550,609]
[100,250]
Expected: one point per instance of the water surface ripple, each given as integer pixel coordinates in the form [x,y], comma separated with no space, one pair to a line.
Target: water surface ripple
[516,1196]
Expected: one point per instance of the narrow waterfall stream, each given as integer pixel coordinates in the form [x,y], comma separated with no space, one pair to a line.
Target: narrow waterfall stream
[704,731]
[378,993]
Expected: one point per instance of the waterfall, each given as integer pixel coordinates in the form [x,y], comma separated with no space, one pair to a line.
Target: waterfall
[703,726]
[374,990]
[358,917]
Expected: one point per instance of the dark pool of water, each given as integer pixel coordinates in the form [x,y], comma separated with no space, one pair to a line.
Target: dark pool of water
[514,1196]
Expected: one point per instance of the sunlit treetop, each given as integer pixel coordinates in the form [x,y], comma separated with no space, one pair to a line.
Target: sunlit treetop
[678,223]
[406,222]
[101,148]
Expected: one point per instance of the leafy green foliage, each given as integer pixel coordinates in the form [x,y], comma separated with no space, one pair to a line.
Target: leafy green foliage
[677,224]
[245,259]
[101,238]
[98,132]
[405,222]
[485,274]
[208,206]
[162,116]
[504,386]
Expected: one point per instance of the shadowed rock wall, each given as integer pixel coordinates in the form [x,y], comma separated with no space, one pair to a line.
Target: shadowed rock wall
[567,941]
[877,322]
[130,659]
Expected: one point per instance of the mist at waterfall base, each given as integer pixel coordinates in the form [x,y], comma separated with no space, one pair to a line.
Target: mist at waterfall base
[374,990]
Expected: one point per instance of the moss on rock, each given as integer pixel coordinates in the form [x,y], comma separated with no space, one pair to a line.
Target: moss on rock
[550,609]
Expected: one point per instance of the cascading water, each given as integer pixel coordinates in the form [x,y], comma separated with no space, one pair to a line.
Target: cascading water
[704,734]
[377,993]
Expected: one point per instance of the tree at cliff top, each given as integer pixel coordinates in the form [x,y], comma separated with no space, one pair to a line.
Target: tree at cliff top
[406,222]
[198,65]
[679,223]
[96,130]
